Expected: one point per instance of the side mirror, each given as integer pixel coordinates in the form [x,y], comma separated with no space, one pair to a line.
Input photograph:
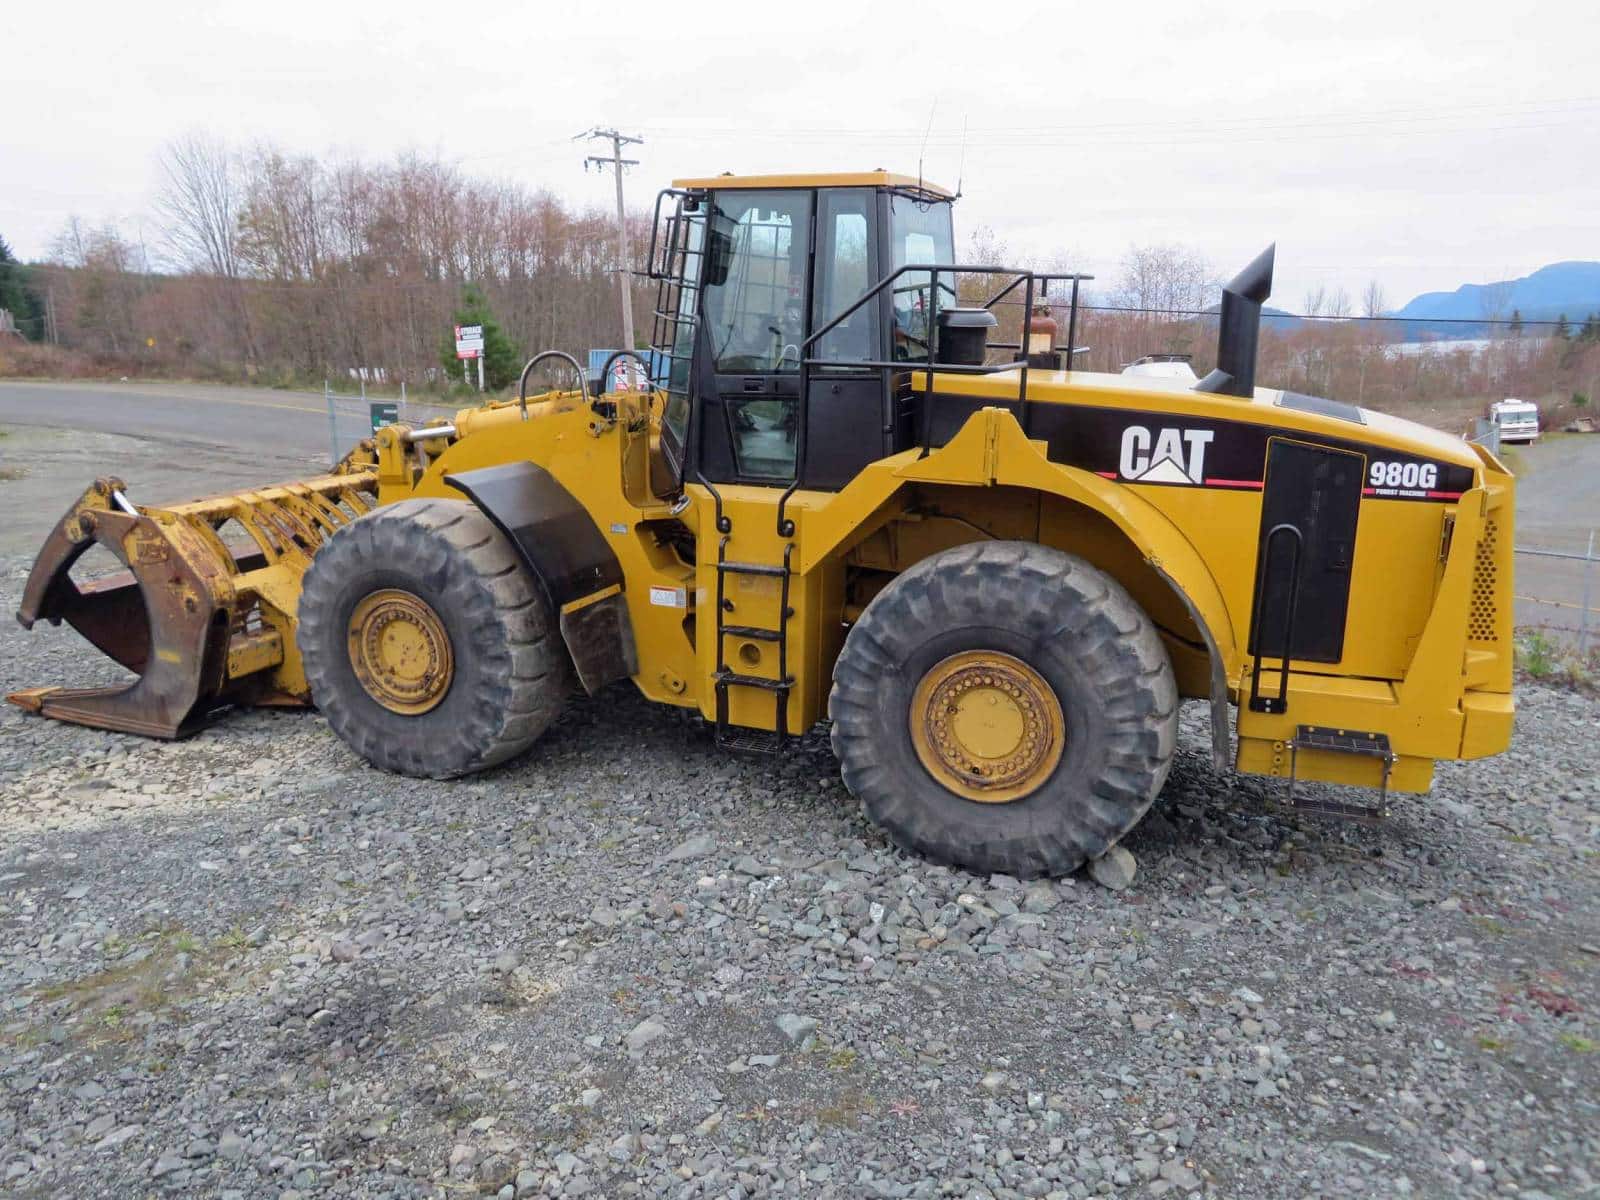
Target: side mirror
[719,255]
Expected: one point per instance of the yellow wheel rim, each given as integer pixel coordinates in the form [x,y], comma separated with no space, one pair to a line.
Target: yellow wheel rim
[400,651]
[987,726]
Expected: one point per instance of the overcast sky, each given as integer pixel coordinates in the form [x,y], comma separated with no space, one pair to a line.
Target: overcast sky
[1425,145]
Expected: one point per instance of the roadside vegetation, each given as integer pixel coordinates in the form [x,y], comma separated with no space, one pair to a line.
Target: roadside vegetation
[286,270]
[1554,657]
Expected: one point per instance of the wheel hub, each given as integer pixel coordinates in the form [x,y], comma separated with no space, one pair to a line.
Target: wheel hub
[400,651]
[987,726]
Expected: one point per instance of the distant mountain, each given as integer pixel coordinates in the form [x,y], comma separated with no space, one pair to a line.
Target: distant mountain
[1275,319]
[1565,287]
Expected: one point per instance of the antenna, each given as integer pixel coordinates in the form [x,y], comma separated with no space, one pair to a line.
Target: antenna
[961,168]
[925,136]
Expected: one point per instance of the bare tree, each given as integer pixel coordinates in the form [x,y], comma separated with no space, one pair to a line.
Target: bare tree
[200,201]
[104,288]
[1316,300]
[1373,302]
[1168,280]
[1339,303]
[1494,301]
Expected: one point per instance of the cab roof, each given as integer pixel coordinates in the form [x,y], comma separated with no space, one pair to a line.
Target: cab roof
[830,179]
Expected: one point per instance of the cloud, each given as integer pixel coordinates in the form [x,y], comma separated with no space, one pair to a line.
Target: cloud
[1368,139]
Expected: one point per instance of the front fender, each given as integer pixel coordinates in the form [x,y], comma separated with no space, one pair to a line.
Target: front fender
[565,552]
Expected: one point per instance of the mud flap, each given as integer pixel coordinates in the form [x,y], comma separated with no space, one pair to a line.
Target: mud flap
[599,636]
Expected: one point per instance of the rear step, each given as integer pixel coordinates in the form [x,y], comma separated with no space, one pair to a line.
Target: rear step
[1340,741]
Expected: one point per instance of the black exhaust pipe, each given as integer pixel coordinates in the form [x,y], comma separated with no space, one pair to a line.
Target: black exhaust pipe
[1240,329]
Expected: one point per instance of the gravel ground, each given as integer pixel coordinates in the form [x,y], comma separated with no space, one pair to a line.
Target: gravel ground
[247,965]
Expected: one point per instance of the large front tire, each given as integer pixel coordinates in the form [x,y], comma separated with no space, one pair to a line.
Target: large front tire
[1004,707]
[428,646]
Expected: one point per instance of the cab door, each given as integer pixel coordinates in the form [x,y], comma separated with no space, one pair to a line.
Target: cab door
[754,318]
[847,422]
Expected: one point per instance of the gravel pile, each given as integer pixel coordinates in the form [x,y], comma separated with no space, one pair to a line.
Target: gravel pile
[626,965]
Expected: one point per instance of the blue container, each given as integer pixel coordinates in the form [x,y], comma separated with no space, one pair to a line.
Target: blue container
[657,361]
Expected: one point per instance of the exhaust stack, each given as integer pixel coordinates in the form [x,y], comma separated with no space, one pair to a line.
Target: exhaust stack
[1240,329]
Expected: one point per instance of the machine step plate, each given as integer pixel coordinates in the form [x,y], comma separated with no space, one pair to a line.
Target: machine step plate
[1328,740]
[765,741]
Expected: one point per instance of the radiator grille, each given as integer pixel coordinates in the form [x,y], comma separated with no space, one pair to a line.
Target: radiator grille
[1484,622]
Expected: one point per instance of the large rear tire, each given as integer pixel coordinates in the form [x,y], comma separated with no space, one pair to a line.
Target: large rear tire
[1004,707]
[428,646]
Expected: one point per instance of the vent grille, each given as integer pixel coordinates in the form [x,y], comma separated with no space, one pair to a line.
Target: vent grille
[1483,625]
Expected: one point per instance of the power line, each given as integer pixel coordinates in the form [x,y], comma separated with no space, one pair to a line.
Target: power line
[1248,123]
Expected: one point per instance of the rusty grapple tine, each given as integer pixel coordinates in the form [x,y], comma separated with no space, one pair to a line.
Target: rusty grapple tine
[166,617]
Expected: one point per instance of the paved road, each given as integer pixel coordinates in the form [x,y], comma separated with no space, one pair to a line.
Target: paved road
[167,441]
[222,417]
[1558,508]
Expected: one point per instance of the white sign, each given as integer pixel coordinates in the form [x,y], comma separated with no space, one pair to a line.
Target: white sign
[469,341]
[669,597]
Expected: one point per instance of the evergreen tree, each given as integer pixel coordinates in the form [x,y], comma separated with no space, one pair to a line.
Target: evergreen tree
[18,296]
[1563,330]
[501,362]
[1591,329]
[1516,322]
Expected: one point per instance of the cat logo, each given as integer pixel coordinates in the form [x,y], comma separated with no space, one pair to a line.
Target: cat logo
[1165,456]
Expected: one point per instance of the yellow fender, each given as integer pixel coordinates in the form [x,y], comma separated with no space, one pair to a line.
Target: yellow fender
[991,449]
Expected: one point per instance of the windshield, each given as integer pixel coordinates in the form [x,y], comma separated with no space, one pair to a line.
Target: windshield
[920,232]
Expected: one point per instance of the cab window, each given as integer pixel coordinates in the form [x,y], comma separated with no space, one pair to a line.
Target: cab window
[844,273]
[920,232]
[755,301]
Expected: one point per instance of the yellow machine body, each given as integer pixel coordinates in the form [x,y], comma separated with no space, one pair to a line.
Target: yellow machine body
[1427,662]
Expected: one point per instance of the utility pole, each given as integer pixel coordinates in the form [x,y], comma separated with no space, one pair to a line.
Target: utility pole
[616,162]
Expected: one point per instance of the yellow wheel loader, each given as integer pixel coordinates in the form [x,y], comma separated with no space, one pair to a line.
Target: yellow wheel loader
[836,493]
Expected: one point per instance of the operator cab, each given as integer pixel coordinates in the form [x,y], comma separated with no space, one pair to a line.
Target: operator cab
[753,268]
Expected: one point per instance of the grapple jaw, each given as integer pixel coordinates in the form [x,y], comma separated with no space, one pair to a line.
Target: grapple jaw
[203,624]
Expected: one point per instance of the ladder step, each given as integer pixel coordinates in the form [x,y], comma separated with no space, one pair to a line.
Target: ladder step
[727,678]
[743,568]
[752,632]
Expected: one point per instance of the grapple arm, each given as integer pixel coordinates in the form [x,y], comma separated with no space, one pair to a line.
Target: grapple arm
[202,623]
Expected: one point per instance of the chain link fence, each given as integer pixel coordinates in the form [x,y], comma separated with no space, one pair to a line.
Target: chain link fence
[351,418]
[1556,591]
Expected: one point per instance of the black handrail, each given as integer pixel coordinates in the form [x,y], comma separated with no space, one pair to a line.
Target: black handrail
[655,227]
[1280,702]
[1024,277]
[605,369]
[522,383]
